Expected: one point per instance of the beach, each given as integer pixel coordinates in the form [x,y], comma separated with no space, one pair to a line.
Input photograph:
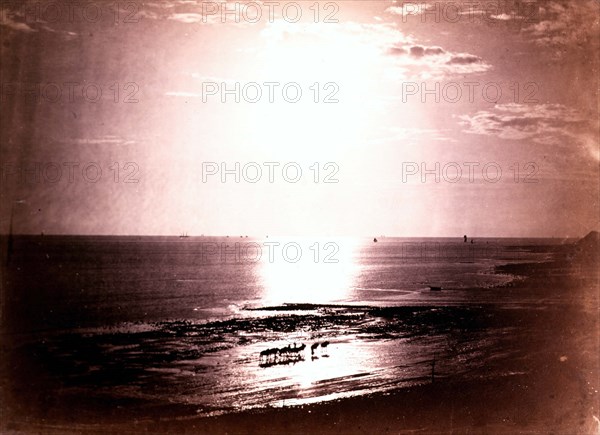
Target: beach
[552,390]
[300,217]
[522,357]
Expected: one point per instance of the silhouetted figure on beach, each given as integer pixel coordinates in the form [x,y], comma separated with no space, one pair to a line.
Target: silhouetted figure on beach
[313,348]
[324,348]
[269,356]
[472,241]
[465,236]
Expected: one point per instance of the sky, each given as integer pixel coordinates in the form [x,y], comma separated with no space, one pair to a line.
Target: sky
[346,118]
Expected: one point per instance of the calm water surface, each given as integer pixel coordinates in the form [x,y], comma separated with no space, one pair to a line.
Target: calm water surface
[183,320]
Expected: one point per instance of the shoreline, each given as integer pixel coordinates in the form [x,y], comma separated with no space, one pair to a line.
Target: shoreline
[549,383]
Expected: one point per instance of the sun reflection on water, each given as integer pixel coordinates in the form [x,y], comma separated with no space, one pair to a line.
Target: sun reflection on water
[326,272]
[311,271]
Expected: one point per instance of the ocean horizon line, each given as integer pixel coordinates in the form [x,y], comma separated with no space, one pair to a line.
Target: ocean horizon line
[315,236]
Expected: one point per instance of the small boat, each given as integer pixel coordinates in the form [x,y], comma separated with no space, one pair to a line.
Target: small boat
[435,288]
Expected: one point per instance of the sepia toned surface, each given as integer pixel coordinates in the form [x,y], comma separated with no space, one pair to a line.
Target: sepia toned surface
[300,217]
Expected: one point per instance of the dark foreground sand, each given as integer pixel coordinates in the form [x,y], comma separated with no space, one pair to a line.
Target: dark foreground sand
[550,387]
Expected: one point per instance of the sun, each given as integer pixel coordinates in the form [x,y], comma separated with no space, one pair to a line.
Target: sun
[334,75]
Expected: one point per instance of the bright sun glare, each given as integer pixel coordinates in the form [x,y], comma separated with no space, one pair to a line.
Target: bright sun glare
[335,74]
[324,273]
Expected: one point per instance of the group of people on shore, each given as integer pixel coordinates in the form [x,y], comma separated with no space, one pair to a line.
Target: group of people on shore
[291,353]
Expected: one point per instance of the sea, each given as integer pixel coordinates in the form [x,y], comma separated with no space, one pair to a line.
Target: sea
[202,324]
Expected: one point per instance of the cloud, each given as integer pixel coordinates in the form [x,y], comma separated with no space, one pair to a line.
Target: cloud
[397,51]
[464,59]
[203,12]
[566,25]
[518,121]
[556,24]
[436,63]
[223,12]
[103,140]
[503,17]
[16,19]
[417,51]
[188,18]
[420,51]
[6,19]
[403,56]
[455,11]
[408,8]
[548,124]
